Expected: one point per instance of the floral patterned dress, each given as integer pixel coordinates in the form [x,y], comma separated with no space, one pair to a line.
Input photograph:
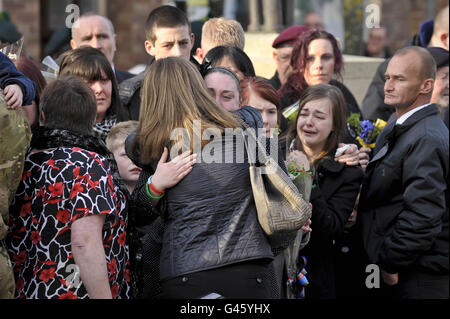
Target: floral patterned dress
[60,186]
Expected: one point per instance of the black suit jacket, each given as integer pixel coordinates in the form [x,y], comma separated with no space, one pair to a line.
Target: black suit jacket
[403,208]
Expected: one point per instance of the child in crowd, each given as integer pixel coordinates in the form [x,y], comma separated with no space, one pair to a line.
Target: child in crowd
[17,89]
[144,253]
[116,144]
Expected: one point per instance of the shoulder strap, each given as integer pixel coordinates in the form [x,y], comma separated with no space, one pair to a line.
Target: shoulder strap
[259,154]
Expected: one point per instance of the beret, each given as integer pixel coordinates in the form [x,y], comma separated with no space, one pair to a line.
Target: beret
[59,39]
[426,32]
[8,32]
[440,56]
[289,36]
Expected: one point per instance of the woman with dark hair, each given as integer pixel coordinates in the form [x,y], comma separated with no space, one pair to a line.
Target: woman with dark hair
[316,59]
[91,65]
[259,93]
[232,58]
[69,217]
[224,86]
[314,138]
[31,70]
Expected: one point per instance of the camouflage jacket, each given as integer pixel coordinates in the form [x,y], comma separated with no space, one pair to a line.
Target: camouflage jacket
[15,135]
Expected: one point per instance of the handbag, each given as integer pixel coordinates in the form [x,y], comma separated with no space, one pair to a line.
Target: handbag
[281,208]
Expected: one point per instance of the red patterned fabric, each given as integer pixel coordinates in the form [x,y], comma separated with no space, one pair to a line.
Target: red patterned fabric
[60,186]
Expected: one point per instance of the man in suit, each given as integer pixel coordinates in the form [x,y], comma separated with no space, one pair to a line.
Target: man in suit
[98,32]
[403,207]
[433,33]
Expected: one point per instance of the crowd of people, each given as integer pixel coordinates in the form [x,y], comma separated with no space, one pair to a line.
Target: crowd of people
[121,186]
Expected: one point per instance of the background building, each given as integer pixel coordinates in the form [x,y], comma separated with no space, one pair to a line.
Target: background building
[39,20]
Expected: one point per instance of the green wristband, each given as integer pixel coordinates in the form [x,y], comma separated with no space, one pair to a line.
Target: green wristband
[149,194]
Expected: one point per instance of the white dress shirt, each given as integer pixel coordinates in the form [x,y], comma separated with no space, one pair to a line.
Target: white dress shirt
[405,116]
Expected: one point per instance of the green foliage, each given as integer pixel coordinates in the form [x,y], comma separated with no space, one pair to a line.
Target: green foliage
[297,170]
[353,21]
[355,122]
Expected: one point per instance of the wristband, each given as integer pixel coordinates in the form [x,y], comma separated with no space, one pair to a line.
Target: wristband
[149,194]
[152,187]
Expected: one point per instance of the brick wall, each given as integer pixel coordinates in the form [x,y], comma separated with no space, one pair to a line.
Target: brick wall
[129,19]
[402,16]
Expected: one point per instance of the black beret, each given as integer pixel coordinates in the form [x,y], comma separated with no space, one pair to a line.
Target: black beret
[8,32]
[440,56]
[58,40]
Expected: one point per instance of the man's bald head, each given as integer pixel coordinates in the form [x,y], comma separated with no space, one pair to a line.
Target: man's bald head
[440,37]
[427,66]
[95,31]
[76,25]
[441,20]
[409,79]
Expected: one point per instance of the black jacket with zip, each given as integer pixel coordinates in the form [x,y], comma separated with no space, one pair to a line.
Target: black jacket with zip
[403,208]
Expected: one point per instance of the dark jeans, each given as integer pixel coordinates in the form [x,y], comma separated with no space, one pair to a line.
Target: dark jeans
[253,279]
[416,284]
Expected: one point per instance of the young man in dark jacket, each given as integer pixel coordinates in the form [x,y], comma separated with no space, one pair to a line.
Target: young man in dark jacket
[168,34]
[403,208]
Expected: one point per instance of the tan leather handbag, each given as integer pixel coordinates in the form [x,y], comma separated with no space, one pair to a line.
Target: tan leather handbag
[281,208]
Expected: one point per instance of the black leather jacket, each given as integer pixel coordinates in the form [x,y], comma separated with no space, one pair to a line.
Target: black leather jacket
[210,218]
[403,208]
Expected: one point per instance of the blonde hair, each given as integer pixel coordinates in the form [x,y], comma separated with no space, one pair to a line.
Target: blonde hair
[119,133]
[173,96]
[222,31]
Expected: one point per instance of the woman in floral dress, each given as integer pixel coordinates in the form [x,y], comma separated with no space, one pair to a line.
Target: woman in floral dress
[68,220]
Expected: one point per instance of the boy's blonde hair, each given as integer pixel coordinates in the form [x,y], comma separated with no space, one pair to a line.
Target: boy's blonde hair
[222,31]
[119,133]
